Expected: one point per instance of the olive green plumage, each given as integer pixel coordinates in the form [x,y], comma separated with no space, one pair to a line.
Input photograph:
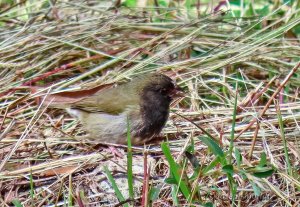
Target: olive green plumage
[144,101]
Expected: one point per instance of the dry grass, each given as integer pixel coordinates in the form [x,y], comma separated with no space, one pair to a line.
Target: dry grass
[76,46]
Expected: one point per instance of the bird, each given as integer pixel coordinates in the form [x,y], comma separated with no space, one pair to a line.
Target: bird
[140,106]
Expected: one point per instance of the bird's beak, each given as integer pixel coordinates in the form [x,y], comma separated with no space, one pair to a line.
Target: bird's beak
[177,92]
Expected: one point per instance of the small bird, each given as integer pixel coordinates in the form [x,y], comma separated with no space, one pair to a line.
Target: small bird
[143,102]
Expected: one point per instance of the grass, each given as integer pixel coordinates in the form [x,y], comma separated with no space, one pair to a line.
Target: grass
[232,141]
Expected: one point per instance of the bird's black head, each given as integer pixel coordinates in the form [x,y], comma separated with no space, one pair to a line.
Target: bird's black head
[157,93]
[162,87]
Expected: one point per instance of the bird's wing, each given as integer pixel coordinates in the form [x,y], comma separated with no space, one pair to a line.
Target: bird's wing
[111,101]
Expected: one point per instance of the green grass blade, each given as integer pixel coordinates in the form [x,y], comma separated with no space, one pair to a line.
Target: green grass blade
[114,185]
[213,146]
[17,203]
[282,133]
[229,169]
[70,195]
[211,165]
[175,169]
[233,125]
[129,162]
[174,195]
[31,185]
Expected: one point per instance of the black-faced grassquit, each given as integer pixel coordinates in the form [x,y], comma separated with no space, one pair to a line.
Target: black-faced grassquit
[144,102]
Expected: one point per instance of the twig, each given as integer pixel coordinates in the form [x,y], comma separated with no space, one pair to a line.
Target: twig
[146,181]
[196,125]
[254,139]
[124,202]
[270,100]
[256,96]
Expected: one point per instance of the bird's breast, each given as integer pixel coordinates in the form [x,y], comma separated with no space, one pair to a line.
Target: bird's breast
[107,127]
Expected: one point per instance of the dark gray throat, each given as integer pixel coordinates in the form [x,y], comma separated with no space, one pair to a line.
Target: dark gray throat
[155,113]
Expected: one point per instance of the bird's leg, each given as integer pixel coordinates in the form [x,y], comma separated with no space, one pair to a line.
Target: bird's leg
[115,151]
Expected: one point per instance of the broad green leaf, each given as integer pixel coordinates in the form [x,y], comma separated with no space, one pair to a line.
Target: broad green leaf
[238,157]
[175,169]
[263,11]
[213,146]
[212,164]
[232,186]
[209,204]
[130,3]
[250,12]
[228,169]
[163,3]
[256,189]
[170,180]
[263,173]
[263,160]
[154,193]
[17,203]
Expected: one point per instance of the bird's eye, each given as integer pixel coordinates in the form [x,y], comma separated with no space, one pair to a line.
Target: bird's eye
[163,91]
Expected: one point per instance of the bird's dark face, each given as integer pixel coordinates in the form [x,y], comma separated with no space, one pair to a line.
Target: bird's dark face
[156,97]
[162,87]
